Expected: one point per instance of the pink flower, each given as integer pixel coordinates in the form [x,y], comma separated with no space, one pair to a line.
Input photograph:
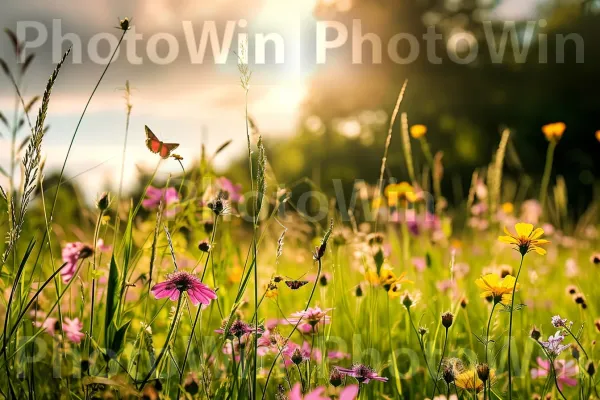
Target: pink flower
[103,247]
[317,394]
[348,393]
[419,263]
[50,325]
[154,196]
[337,355]
[362,373]
[234,191]
[179,282]
[565,371]
[238,328]
[312,315]
[71,253]
[72,329]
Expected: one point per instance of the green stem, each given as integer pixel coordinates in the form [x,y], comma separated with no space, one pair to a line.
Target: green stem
[487,341]
[441,359]
[510,326]
[422,347]
[547,172]
[96,233]
[295,326]
[577,340]
[165,347]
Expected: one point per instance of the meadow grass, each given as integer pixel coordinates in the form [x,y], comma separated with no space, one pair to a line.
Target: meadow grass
[212,292]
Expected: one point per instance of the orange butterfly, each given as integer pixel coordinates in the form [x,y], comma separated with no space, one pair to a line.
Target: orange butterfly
[158,147]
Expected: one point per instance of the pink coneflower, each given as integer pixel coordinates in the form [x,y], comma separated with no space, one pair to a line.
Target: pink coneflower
[312,315]
[362,373]
[71,253]
[565,371]
[72,329]
[179,282]
[238,328]
[348,393]
[154,196]
[294,354]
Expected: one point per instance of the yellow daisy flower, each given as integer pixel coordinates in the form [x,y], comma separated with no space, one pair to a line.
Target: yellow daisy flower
[554,131]
[397,192]
[418,131]
[388,280]
[469,380]
[500,289]
[526,239]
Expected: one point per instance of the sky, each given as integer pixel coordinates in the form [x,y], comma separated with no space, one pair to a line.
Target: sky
[184,102]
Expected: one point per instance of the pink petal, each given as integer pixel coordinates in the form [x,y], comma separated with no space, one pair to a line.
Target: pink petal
[296,393]
[349,392]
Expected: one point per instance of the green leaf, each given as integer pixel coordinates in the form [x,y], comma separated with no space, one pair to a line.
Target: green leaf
[112,299]
[118,340]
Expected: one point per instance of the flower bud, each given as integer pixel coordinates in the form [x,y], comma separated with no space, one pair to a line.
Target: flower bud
[103,201]
[358,292]
[448,375]
[590,368]
[483,372]
[204,246]
[335,378]
[297,356]
[407,301]
[535,334]
[447,319]
[575,352]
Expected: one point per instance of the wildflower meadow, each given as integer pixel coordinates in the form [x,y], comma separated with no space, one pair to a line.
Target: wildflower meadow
[203,282]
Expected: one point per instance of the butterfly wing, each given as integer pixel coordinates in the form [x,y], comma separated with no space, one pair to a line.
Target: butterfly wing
[167,148]
[294,285]
[152,142]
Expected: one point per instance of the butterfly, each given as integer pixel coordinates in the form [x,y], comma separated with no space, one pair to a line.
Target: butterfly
[295,285]
[158,147]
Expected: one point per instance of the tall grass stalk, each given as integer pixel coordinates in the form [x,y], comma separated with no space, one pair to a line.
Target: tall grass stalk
[388,142]
[547,173]
[128,108]
[406,148]
[496,183]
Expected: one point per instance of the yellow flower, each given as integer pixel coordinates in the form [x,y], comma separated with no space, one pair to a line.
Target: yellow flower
[235,275]
[377,202]
[598,136]
[508,208]
[418,131]
[469,380]
[272,290]
[388,280]
[554,131]
[526,239]
[495,287]
[397,192]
